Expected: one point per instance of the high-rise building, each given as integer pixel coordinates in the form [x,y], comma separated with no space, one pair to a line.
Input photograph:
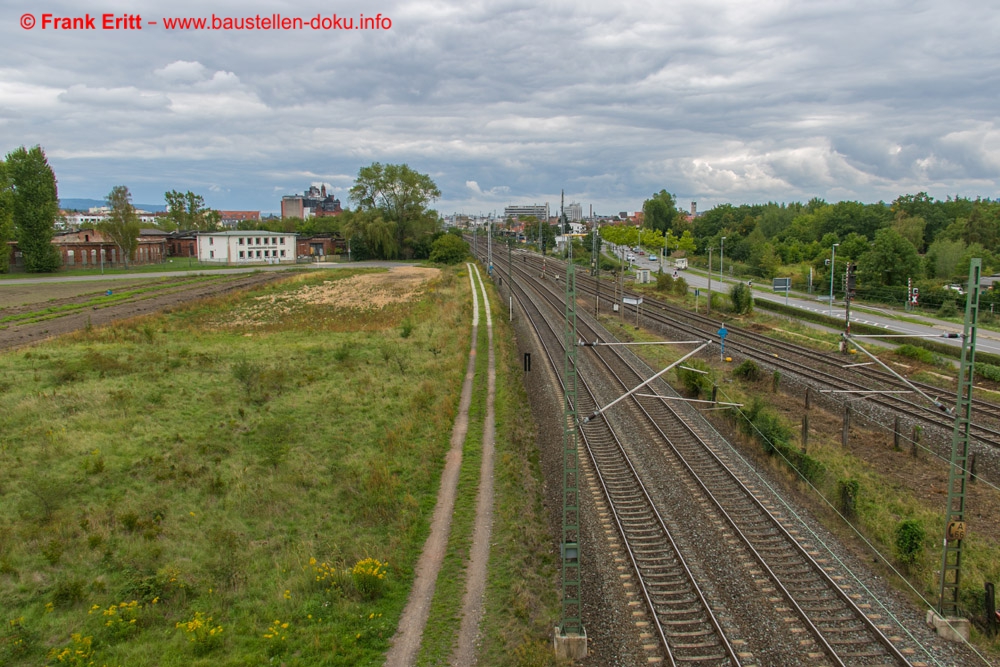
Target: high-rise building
[539,211]
[574,212]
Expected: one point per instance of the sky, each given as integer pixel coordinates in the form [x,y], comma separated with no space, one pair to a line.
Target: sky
[511,102]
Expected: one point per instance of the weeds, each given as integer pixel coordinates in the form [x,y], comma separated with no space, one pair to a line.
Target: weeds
[368,576]
[202,635]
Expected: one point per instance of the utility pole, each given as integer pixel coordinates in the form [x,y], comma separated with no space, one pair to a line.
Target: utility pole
[954,526]
[597,269]
[571,638]
[850,283]
[708,308]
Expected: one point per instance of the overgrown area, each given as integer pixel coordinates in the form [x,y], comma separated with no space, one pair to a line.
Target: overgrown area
[243,480]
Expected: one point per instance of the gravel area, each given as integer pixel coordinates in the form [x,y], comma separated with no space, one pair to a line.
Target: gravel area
[614,637]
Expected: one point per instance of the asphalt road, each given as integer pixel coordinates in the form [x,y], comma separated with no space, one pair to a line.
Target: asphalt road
[913,325]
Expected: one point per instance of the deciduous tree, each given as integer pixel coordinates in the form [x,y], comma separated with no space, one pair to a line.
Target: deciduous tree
[659,212]
[6,218]
[35,206]
[187,211]
[122,223]
[399,196]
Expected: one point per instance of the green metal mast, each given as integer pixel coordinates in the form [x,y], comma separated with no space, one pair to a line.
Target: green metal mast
[571,623]
[954,522]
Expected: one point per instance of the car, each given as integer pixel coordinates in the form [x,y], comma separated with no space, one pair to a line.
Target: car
[652,258]
[956,288]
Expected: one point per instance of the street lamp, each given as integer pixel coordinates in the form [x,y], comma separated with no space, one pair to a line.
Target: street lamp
[722,257]
[833,263]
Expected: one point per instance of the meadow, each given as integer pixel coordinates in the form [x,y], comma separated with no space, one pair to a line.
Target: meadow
[244,480]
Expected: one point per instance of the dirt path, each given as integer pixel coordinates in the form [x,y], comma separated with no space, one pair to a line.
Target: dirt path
[409,633]
[479,553]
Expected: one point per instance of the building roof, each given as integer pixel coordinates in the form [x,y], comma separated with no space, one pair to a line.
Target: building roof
[248,232]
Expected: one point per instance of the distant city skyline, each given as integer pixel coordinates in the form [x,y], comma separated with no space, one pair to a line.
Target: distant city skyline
[506,104]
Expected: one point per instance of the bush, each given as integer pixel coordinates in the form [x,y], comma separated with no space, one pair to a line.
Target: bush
[917,353]
[742,297]
[764,426]
[449,249]
[948,309]
[988,372]
[747,371]
[695,383]
[910,536]
[680,286]
[664,282]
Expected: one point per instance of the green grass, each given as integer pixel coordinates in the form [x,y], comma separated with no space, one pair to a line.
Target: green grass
[440,636]
[197,461]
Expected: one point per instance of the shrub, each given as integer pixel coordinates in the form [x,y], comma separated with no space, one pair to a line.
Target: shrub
[764,426]
[917,353]
[988,372]
[664,282]
[747,371]
[695,383]
[909,541]
[948,309]
[449,249]
[680,286]
[742,297]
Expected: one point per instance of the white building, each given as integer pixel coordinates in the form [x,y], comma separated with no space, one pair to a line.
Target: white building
[246,247]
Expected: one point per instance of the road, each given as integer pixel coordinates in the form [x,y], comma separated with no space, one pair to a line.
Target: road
[913,324]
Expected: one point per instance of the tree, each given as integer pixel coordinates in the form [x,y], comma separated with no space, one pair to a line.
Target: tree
[891,260]
[449,249]
[6,218]
[187,211]
[399,195]
[35,206]
[659,212]
[122,224]
[377,234]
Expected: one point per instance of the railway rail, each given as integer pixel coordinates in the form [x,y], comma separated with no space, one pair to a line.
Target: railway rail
[813,368]
[783,564]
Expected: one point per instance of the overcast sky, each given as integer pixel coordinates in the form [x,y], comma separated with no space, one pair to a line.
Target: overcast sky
[510,101]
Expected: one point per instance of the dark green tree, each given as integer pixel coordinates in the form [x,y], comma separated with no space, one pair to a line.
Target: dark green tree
[891,260]
[122,224]
[35,206]
[659,212]
[6,218]
[399,196]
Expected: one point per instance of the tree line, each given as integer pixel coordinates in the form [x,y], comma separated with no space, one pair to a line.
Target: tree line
[914,237]
[392,219]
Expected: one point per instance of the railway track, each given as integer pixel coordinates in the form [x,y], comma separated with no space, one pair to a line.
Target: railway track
[823,371]
[829,626]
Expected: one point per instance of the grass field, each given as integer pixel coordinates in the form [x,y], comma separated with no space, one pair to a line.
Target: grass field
[246,479]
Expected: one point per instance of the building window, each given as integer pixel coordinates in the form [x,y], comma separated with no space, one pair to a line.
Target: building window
[282,253]
[241,240]
[258,243]
[211,254]
[242,253]
[267,253]
[211,241]
[258,253]
[282,241]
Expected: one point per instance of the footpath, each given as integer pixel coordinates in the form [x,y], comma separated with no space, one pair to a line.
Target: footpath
[409,634]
